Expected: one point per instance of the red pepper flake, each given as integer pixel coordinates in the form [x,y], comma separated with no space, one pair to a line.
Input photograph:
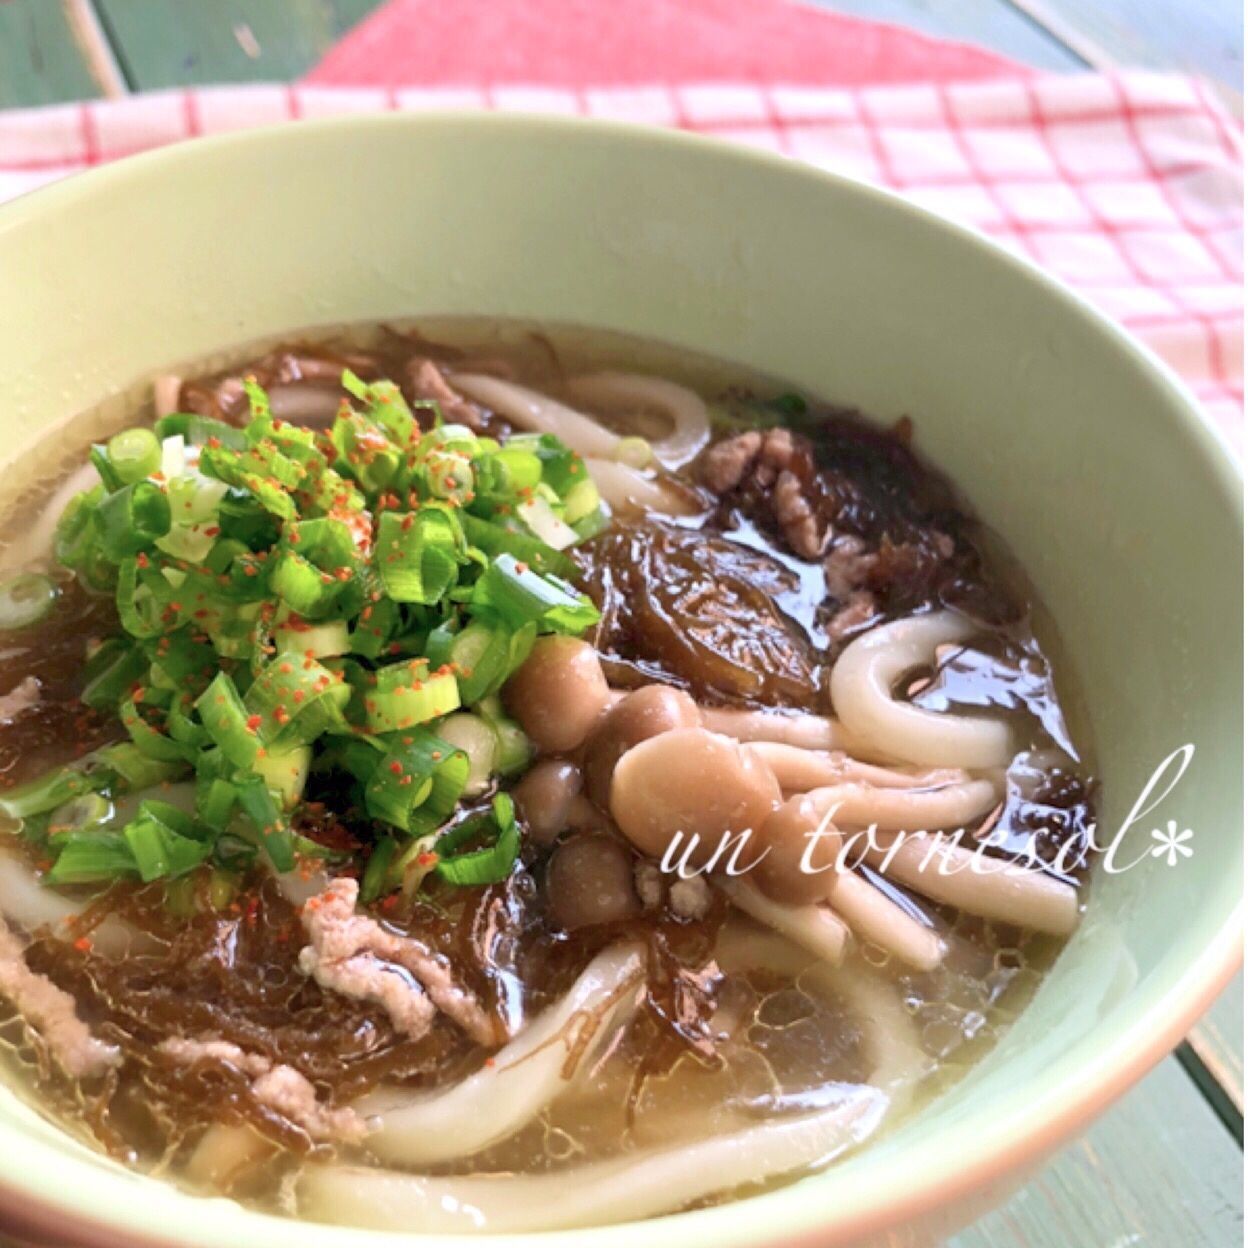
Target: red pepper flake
[396,767]
[285,669]
[83,944]
[253,723]
[142,560]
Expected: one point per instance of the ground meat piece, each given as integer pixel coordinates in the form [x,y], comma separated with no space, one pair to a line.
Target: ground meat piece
[776,467]
[428,382]
[52,1013]
[277,1087]
[857,613]
[779,452]
[846,565]
[725,464]
[355,955]
[20,698]
[796,517]
[368,978]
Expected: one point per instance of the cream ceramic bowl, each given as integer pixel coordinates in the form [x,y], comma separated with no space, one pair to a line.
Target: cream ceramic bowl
[1091,461]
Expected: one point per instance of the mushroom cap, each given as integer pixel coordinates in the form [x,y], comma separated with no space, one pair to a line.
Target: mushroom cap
[589,879]
[644,713]
[787,835]
[694,782]
[558,693]
[545,795]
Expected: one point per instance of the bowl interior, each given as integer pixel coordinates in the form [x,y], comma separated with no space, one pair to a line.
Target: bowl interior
[1084,456]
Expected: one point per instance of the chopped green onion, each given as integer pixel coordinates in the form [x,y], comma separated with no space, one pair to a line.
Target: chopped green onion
[483,656]
[53,789]
[132,518]
[24,600]
[415,785]
[148,740]
[285,772]
[161,842]
[515,750]
[540,516]
[227,722]
[91,810]
[521,595]
[291,599]
[91,857]
[198,430]
[407,694]
[112,673]
[293,700]
[128,769]
[258,804]
[374,882]
[321,641]
[489,865]
[134,454]
[497,539]
[635,452]
[417,555]
[478,740]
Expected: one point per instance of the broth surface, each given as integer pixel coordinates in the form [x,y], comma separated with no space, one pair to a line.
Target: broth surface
[729,602]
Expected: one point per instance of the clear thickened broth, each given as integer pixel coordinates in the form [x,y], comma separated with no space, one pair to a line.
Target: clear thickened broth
[432,935]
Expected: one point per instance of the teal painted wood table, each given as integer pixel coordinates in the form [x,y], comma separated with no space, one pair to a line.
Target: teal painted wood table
[1163,1169]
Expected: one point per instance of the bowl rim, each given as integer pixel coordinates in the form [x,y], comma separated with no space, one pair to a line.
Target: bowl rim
[44,1199]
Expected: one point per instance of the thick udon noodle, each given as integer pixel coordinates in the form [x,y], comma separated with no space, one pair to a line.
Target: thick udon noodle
[831,1018]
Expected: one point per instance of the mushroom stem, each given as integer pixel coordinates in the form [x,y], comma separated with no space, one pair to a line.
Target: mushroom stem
[989,887]
[808,732]
[872,916]
[799,770]
[815,927]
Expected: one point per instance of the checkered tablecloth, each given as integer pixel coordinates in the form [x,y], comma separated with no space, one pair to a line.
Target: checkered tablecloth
[1129,187]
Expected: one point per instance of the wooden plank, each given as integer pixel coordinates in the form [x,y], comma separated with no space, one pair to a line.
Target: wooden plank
[1197,36]
[1158,1171]
[993,24]
[41,61]
[162,43]
[1217,1042]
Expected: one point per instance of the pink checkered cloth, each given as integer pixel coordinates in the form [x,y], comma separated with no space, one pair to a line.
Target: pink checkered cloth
[1128,186]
